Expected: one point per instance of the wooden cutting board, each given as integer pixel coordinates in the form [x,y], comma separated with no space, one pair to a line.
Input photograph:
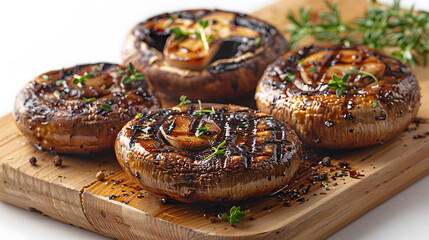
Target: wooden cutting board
[117,208]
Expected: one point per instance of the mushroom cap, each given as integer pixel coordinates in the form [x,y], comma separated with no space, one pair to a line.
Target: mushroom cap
[364,114]
[260,154]
[51,111]
[231,70]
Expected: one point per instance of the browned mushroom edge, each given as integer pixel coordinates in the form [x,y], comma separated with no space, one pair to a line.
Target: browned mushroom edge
[233,72]
[52,113]
[261,154]
[365,114]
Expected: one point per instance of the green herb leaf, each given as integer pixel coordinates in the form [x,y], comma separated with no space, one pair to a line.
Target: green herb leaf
[57,93]
[217,150]
[81,79]
[202,111]
[178,33]
[386,28]
[134,76]
[257,40]
[88,99]
[235,215]
[363,74]
[60,82]
[337,83]
[106,107]
[301,61]
[243,126]
[138,115]
[374,103]
[183,101]
[45,77]
[170,20]
[96,68]
[203,24]
[312,69]
[201,130]
[289,77]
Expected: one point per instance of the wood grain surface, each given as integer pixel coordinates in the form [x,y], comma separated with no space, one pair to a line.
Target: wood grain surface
[117,208]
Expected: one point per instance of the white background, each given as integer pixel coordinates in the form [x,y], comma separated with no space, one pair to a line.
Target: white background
[38,36]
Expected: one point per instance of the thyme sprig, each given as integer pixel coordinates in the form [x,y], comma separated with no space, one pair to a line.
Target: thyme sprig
[235,215]
[202,111]
[81,79]
[337,83]
[403,33]
[183,101]
[217,150]
[134,76]
[201,130]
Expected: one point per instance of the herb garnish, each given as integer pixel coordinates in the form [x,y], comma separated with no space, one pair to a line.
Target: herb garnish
[138,115]
[81,79]
[235,215]
[201,130]
[374,103]
[337,83]
[45,77]
[178,33]
[289,77]
[203,24]
[257,40]
[170,20]
[60,82]
[312,69]
[183,101]
[217,150]
[57,93]
[134,76]
[201,112]
[88,99]
[363,74]
[96,68]
[243,126]
[382,27]
[106,107]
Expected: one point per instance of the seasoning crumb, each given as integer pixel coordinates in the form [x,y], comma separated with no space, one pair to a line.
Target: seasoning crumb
[326,161]
[100,176]
[57,160]
[33,161]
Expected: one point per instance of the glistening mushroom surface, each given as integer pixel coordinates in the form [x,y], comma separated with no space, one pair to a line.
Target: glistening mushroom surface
[378,99]
[247,154]
[81,109]
[204,54]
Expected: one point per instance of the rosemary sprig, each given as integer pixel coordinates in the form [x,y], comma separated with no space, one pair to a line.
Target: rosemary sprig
[381,27]
[217,150]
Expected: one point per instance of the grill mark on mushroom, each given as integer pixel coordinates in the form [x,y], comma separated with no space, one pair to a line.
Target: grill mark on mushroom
[257,147]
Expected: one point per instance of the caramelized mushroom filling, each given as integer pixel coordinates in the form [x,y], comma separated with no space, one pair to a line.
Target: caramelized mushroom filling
[194,43]
[190,133]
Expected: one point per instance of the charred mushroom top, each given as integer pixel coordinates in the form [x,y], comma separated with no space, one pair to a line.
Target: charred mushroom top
[200,45]
[338,96]
[81,109]
[208,152]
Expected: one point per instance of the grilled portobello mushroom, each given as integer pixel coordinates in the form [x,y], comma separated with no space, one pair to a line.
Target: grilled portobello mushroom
[81,109]
[208,152]
[340,97]
[203,54]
